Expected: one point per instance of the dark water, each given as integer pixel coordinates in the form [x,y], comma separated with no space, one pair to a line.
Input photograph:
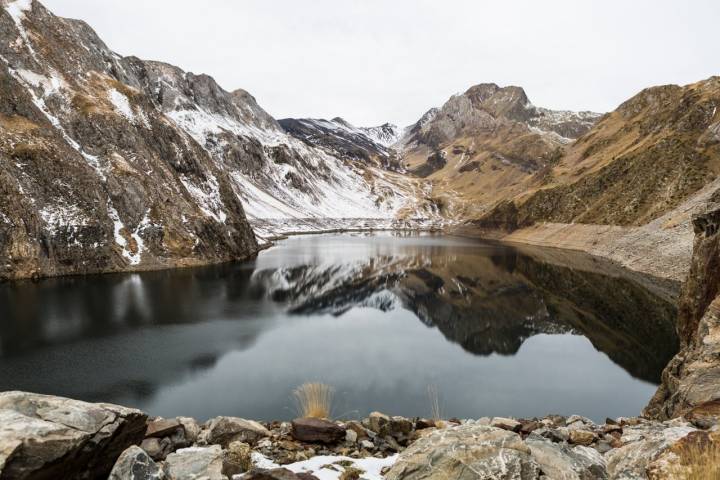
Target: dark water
[380,317]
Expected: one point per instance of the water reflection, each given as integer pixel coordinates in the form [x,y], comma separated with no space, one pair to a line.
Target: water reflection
[171,341]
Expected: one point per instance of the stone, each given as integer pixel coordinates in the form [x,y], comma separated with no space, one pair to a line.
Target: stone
[529,426]
[704,415]
[224,430]
[423,423]
[357,427]
[398,427]
[191,427]
[237,459]
[582,437]
[466,452]
[154,448]
[351,436]
[43,436]
[506,424]
[367,444]
[162,427]
[195,463]
[316,430]
[135,464]
[563,461]
[377,420]
[278,474]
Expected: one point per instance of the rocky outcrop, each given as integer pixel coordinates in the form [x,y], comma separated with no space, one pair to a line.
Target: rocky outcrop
[44,437]
[692,378]
[344,140]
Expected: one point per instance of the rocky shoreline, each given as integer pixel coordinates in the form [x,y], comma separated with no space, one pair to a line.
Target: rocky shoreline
[51,437]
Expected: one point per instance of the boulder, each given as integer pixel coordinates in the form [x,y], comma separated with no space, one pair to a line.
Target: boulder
[154,448]
[376,421]
[237,459]
[643,444]
[195,463]
[564,461]
[316,430]
[506,424]
[582,437]
[466,452]
[191,428]
[135,464]
[162,427]
[224,430]
[47,437]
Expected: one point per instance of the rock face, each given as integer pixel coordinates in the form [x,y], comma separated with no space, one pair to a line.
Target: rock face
[481,144]
[340,138]
[692,378]
[645,159]
[43,437]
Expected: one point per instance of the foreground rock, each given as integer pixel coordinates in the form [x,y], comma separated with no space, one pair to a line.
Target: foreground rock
[44,437]
[195,463]
[476,451]
[317,430]
[135,464]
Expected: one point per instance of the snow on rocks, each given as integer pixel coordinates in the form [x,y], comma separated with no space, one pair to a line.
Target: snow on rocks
[121,104]
[331,467]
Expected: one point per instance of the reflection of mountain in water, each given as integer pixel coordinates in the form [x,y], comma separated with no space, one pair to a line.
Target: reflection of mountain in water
[491,304]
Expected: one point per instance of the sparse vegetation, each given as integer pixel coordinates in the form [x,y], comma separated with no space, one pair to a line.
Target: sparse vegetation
[699,461]
[314,400]
[434,397]
[351,473]
[85,104]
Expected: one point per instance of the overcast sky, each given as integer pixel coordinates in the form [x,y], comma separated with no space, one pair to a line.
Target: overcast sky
[372,61]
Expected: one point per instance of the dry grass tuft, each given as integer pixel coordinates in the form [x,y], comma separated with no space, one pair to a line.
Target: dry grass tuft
[434,397]
[700,461]
[314,400]
[351,473]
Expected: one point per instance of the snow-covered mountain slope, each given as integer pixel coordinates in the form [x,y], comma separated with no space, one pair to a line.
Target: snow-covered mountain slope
[337,137]
[115,163]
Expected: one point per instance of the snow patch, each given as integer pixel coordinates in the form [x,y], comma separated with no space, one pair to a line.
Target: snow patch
[121,104]
[17,10]
[209,202]
[371,466]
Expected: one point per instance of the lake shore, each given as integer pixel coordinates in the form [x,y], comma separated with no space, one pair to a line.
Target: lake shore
[52,437]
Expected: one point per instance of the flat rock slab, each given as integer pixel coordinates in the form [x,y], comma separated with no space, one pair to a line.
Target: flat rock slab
[225,430]
[162,427]
[45,437]
[316,430]
[195,463]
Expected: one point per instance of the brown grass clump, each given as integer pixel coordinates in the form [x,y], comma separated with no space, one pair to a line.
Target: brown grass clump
[700,461]
[85,104]
[314,400]
[351,473]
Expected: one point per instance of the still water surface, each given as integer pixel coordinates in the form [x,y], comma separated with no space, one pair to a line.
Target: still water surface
[380,317]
